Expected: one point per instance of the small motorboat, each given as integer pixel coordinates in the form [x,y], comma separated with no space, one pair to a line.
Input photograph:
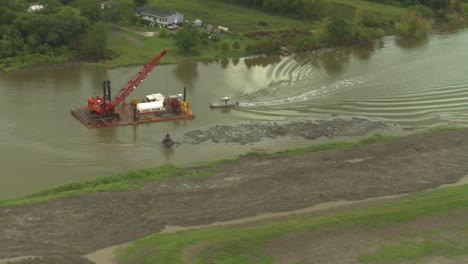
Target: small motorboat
[224,102]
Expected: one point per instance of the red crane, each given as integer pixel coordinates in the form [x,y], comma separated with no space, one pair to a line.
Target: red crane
[103,105]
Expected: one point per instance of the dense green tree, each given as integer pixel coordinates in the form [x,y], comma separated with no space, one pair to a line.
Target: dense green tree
[264,45]
[421,10]
[96,42]
[12,42]
[339,31]
[433,4]
[90,9]
[14,5]
[281,6]
[366,17]
[413,25]
[6,49]
[464,9]
[186,38]
[224,46]
[236,45]
[163,33]
[455,6]
[66,2]
[312,8]
[118,11]
[50,6]
[6,15]
[306,43]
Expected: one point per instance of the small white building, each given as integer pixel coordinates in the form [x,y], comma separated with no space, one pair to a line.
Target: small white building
[35,7]
[197,22]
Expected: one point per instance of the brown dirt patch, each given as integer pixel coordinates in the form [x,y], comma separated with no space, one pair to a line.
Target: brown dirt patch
[75,226]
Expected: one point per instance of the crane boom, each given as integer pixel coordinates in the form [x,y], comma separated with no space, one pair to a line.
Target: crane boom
[99,105]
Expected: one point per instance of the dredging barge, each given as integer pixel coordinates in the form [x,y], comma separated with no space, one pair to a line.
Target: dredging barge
[104,112]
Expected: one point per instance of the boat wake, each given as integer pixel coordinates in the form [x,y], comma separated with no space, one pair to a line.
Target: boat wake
[314,93]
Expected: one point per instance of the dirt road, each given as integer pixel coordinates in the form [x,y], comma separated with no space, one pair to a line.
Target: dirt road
[65,229]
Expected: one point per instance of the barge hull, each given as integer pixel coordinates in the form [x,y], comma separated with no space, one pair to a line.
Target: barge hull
[126,117]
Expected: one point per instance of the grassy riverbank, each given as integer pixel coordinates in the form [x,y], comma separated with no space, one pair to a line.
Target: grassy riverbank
[368,233]
[134,178]
[238,19]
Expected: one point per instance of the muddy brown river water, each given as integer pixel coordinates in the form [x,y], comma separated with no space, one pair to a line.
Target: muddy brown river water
[416,84]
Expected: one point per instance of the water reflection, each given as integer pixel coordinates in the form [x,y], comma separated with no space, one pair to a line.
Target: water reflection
[135,135]
[187,73]
[107,135]
[261,61]
[207,62]
[97,77]
[62,77]
[235,61]
[168,153]
[406,43]
[364,52]
[333,61]
[224,64]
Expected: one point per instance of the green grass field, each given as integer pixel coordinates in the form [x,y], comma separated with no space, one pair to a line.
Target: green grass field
[386,10]
[129,52]
[237,18]
[245,244]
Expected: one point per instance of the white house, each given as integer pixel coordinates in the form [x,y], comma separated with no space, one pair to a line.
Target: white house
[160,16]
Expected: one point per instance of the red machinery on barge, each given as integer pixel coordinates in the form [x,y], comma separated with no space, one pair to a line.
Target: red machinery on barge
[102,111]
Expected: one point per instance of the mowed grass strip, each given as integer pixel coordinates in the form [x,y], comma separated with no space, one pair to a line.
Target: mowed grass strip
[241,245]
[130,52]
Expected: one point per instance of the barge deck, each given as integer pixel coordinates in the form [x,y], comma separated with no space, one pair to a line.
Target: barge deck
[126,115]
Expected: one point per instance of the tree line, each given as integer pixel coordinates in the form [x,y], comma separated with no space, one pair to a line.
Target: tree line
[68,28]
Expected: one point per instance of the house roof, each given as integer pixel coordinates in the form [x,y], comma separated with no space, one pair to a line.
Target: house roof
[160,12]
